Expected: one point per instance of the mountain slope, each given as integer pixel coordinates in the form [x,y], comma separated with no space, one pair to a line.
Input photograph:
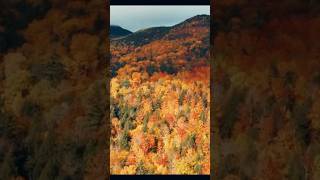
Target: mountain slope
[183,45]
[160,93]
[177,31]
[117,31]
[144,36]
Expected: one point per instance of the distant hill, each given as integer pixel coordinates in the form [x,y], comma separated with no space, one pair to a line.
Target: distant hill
[148,35]
[194,23]
[170,49]
[144,36]
[199,20]
[117,31]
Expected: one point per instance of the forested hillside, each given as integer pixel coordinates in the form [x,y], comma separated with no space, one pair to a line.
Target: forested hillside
[53,92]
[266,89]
[160,97]
[118,32]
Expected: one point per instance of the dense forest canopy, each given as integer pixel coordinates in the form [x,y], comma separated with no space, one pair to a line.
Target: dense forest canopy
[266,89]
[53,95]
[160,98]
[266,56]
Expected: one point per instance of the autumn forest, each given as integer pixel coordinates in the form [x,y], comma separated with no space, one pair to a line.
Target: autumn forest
[160,100]
[56,112]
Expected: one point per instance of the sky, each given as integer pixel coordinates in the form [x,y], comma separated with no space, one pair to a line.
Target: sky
[135,18]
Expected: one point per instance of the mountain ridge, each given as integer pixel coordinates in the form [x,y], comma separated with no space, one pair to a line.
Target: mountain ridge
[118,31]
[147,35]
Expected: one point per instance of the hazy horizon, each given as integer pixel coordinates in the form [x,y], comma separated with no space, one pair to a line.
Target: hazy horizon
[135,18]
